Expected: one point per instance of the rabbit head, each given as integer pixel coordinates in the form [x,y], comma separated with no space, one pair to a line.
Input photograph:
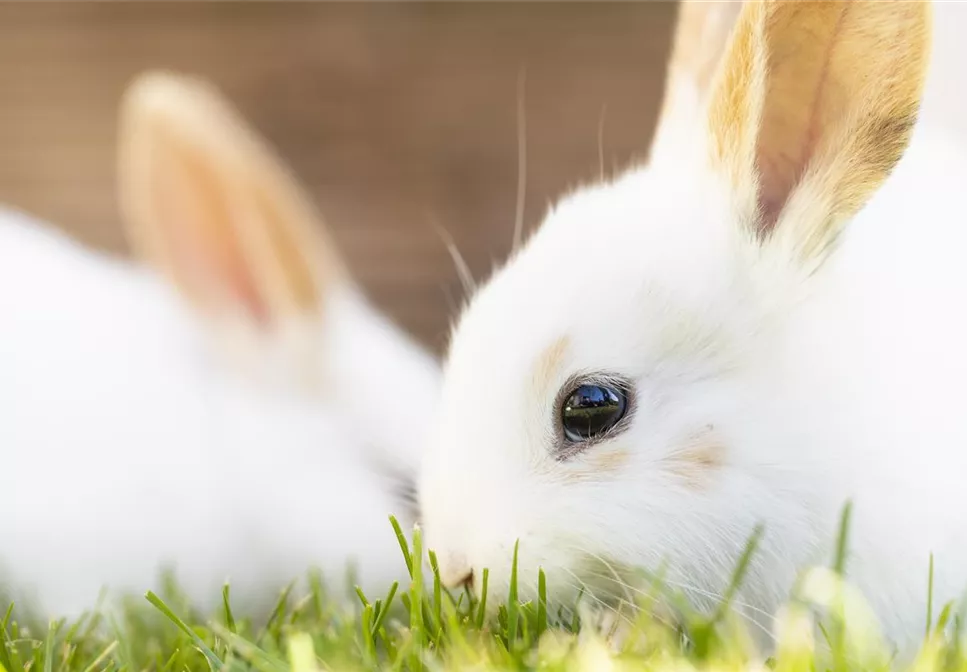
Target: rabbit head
[609,397]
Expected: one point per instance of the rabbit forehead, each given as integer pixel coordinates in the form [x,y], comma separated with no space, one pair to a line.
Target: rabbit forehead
[610,270]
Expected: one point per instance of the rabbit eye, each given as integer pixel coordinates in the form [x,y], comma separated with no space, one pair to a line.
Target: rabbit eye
[589,411]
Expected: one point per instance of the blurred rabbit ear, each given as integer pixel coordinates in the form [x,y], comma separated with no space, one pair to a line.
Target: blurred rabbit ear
[208,203]
[813,105]
[702,30]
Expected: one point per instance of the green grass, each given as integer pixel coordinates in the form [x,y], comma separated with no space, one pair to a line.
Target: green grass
[825,626]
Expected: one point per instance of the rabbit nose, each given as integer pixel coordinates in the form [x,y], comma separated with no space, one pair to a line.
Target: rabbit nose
[456,572]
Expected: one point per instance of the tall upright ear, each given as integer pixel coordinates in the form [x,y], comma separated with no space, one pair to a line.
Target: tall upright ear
[812,107]
[701,33]
[209,204]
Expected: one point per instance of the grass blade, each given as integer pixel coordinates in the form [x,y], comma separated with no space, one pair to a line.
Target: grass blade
[541,603]
[362,597]
[930,598]
[229,617]
[318,592]
[482,605]
[513,606]
[274,625]
[5,645]
[437,596]
[369,642]
[944,617]
[49,646]
[839,561]
[102,656]
[256,656]
[213,661]
[386,607]
[125,651]
[416,602]
[738,576]
[404,547]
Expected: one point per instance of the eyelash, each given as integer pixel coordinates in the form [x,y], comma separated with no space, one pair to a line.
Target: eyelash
[565,450]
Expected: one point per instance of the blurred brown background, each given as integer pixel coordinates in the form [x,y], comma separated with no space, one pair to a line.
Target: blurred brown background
[396,116]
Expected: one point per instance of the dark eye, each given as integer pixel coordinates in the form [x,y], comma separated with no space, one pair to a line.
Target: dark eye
[591,410]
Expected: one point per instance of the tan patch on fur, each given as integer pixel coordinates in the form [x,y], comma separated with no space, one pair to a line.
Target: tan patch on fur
[548,366]
[823,94]
[208,202]
[598,461]
[697,459]
[608,460]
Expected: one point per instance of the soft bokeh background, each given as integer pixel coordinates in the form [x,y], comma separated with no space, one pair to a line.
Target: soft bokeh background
[396,116]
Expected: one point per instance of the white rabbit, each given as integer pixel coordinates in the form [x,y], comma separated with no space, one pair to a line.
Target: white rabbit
[764,322]
[261,427]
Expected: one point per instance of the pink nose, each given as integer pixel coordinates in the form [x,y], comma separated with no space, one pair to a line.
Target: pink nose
[456,572]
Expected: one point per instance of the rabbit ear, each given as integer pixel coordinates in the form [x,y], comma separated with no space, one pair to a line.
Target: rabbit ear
[702,31]
[208,203]
[812,107]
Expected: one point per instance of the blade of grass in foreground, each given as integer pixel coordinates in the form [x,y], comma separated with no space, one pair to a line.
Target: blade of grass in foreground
[839,562]
[274,625]
[704,633]
[541,603]
[837,630]
[102,656]
[229,617]
[9,636]
[5,660]
[125,652]
[437,597]
[738,576]
[258,657]
[930,598]
[213,661]
[513,606]
[49,647]
[416,601]
[369,640]
[482,605]
[404,547]
[387,603]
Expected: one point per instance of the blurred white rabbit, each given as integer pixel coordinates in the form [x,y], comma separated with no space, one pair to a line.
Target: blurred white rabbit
[762,323]
[262,419]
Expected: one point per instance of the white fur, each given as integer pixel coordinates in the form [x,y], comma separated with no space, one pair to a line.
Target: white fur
[126,446]
[845,385]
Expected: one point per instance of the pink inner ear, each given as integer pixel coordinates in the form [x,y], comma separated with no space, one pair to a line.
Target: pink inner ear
[204,251]
[772,198]
[217,271]
[778,176]
[788,138]
[781,168]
